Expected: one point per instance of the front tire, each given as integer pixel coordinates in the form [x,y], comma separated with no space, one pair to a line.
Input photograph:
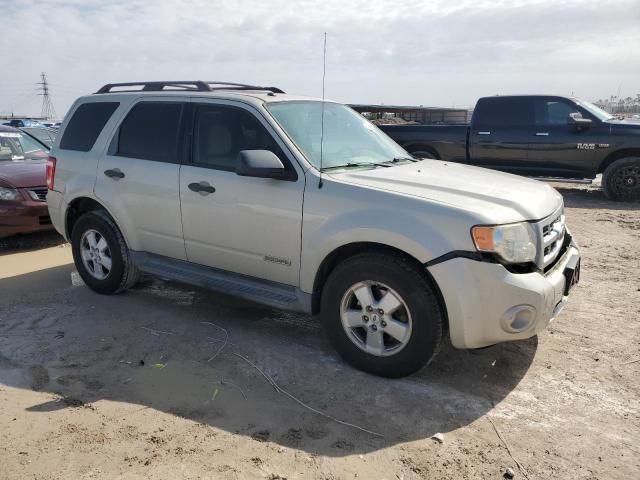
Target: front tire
[382,315]
[621,180]
[101,255]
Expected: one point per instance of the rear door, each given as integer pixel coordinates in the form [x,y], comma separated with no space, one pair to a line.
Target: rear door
[558,149]
[240,224]
[500,133]
[137,176]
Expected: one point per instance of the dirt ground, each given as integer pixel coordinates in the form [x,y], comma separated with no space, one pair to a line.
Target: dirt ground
[137,386]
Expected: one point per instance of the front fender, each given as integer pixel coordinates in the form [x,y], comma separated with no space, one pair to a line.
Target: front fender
[339,215]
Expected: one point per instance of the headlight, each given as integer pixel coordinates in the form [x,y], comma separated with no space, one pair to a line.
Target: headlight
[515,243]
[8,193]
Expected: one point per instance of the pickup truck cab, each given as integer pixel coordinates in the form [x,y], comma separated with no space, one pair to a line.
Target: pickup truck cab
[304,205]
[539,136]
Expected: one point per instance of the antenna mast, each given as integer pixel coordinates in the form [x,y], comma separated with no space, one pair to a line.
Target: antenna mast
[47,112]
[324,71]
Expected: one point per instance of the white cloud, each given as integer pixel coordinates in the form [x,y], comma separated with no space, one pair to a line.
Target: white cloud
[412,52]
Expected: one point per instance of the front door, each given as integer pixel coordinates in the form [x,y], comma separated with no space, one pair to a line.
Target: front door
[239,224]
[138,176]
[557,149]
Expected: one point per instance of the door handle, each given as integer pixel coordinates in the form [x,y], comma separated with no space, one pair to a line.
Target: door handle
[542,134]
[203,188]
[114,174]
[484,133]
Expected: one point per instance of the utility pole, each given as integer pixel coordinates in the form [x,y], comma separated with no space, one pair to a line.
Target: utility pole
[48,112]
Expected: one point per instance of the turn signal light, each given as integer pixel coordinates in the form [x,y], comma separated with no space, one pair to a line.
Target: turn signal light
[483,238]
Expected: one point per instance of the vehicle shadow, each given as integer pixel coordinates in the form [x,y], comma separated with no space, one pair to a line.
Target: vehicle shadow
[30,242]
[581,197]
[216,360]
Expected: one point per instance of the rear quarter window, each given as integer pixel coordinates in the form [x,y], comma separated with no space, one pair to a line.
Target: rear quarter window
[86,124]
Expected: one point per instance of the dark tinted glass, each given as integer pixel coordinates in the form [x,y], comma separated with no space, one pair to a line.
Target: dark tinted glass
[222,132]
[150,131]
[503,112]
[554,112]
[86,124]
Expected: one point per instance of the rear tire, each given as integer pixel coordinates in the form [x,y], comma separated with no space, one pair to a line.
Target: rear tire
[101,255]
[397,342]
[621,180]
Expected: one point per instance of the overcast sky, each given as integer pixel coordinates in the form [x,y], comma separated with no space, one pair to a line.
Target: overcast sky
[415,52]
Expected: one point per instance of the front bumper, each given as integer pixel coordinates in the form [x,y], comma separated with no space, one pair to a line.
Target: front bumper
[23,216]
[487,304]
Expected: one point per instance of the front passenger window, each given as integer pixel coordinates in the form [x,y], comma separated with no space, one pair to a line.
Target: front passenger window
[220,133]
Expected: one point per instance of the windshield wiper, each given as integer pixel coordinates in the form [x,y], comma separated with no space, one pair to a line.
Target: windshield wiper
[402,159]
[356,164]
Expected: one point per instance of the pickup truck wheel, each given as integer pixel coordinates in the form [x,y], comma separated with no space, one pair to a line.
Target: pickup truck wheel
[423,154]
[100,254]
[621,180]
[382,315]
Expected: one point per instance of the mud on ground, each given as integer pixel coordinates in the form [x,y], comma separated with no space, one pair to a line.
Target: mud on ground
[130,386]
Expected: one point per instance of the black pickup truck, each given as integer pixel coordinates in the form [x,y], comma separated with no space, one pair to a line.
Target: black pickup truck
[539,136]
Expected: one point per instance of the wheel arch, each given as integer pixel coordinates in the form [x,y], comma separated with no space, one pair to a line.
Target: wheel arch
[422,147]
[79,206]
[346,251]
[617,155]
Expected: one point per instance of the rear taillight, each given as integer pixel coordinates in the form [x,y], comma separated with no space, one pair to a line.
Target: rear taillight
[51,172]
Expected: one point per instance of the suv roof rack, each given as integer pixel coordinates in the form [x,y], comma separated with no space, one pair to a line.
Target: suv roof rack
[187,85]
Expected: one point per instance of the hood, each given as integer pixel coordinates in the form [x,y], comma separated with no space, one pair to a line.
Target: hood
[625,127]
[495,197]
[23,173]
[632,122]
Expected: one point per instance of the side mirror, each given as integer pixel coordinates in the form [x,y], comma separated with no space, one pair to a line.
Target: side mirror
[577,121]
[261,164]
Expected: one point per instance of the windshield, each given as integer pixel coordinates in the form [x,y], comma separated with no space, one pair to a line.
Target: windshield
[16,146]
[596,111]
[349,139]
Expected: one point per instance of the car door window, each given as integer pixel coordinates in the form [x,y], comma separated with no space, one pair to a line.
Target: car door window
[150,132]
[554,112]
[221,132]
[504,112]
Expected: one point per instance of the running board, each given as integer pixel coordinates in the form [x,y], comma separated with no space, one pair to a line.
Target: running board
[585,181]
[265,292]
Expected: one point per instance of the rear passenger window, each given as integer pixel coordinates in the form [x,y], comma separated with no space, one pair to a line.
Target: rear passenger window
[222,132]
[86,124]
[150,131]
[504,112]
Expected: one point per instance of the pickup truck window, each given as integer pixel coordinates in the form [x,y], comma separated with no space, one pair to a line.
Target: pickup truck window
[503,112]
[554,111]
[348,137]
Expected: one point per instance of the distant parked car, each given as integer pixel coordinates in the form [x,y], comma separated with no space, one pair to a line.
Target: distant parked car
[22,122]
[23,190]
[43,135]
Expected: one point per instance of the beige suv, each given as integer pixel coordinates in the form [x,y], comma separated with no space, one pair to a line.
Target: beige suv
[302,204]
